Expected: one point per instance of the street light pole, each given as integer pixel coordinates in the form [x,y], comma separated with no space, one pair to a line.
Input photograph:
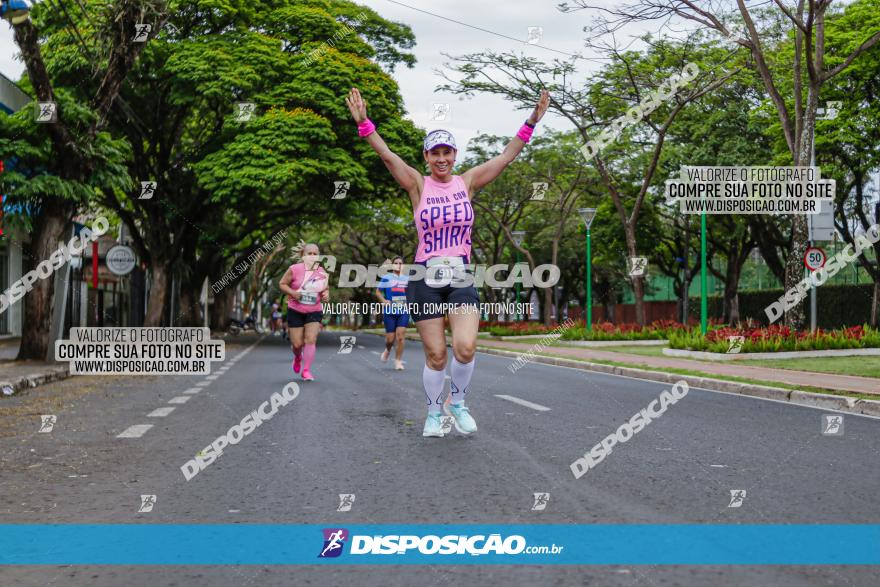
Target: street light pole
[704,328]
[589,320]
[588,214]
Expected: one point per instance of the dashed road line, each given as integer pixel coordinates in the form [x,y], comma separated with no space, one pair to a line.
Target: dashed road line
[523,402]
[193,390]
[135,431]
[161,412]
[181,399]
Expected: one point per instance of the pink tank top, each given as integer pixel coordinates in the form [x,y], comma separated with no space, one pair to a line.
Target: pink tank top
[314,281]
[444,219]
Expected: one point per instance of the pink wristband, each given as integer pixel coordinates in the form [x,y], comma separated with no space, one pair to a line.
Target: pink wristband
[366,128]
[525,133]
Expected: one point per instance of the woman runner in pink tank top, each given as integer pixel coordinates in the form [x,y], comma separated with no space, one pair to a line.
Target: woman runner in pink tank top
[306,285]
[444,218]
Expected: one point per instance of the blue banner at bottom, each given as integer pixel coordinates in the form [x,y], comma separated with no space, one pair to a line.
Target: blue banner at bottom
[394,544]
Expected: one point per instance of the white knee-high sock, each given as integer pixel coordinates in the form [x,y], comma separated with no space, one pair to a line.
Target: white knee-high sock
[460,378]
[433,381]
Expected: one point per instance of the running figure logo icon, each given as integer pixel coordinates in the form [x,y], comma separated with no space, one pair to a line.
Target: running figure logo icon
[346,500]
[832,425]
[737,496]
[147,503]
[346,344]
[538,190]
[637,266]
[334,540]
[47,422]
[439,111]
[535,34]
[735,343]
[141,32]
[45,112]
[340,190]
[148,188]
[245,111]
[446,423]
[829,113]
[541,500]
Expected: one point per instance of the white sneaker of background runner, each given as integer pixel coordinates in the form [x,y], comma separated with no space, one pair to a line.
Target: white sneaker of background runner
[433,381]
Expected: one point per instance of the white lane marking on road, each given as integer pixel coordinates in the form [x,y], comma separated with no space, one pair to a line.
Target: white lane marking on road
[193,390]
[523,402]
[203,384]
[719,466]
[660,383]
[161,412]
[181,399]
[212,377]
[360,346]
[135,431]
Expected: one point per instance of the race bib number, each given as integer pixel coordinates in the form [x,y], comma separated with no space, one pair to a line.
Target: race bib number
[439,275]
[308,298]
[398,301]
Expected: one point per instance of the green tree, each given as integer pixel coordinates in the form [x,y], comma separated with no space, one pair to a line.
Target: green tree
[73,149]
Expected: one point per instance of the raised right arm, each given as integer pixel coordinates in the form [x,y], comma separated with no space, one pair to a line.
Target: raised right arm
[407,177]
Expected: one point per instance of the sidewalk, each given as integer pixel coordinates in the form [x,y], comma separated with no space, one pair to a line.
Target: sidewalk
[15,376]
[830,381]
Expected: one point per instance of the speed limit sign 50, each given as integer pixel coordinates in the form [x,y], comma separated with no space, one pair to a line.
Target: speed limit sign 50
[814,258]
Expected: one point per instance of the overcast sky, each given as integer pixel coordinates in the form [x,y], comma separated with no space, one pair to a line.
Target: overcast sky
[434,35]
[482,113]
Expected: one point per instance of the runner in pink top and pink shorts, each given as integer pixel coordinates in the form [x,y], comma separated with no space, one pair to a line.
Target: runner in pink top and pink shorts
[306,285]
[444,217]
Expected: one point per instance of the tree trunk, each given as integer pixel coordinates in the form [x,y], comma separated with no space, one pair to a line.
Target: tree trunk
[685,296]
[190,309]
[875,302]
[160,295]
[731,303]
[222,307]
[548,307]
[638,283]
[794,268]
[731,289]
[49,230]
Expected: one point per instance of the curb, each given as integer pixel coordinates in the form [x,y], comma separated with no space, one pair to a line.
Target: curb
[685,354]
[815,400]
[33,380]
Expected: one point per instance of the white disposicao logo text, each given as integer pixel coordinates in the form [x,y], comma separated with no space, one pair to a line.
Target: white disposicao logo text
[473,545]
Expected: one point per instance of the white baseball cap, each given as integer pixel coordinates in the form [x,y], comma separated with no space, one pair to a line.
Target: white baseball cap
[439,137]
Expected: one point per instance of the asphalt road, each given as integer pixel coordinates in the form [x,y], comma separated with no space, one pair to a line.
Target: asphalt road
[357,430]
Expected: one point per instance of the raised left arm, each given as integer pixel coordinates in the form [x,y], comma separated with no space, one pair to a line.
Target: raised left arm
[486,173]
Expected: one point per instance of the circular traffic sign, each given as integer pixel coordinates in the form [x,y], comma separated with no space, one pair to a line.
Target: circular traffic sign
[121,260]
[814,258]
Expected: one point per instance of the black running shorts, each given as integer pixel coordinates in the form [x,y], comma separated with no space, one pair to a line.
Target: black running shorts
[299,319]
[421,297]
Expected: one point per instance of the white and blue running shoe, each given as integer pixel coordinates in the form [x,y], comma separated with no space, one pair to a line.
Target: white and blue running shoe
[433,426]
[464,423]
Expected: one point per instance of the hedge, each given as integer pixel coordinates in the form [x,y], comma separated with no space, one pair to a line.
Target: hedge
[838,306]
